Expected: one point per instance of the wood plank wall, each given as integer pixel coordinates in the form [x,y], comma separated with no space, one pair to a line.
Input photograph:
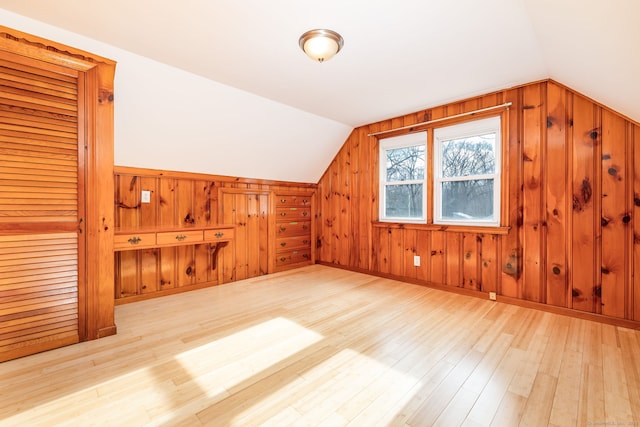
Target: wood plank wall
[180,199]
[572,202]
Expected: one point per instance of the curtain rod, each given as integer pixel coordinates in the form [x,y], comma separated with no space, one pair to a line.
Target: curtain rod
[470,113]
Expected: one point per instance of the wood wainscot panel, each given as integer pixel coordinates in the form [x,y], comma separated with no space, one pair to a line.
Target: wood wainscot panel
[179,259]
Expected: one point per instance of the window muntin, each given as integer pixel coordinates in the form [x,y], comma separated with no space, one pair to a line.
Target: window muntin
[467,173]
[403,178]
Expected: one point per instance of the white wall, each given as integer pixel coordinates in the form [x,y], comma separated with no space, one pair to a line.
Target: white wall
[166,118]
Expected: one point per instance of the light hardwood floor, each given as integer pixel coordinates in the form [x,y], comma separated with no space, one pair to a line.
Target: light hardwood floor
[321,346]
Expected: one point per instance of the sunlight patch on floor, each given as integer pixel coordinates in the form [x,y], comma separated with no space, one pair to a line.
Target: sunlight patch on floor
[338,389]
[240,356]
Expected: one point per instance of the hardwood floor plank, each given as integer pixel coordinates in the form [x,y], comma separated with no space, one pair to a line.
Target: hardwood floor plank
[328,347]
[538,408]
[617,406]
[564,411]
[487,407]
[510,410]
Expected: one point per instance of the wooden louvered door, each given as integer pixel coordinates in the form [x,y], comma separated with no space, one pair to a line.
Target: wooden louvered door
[41,206]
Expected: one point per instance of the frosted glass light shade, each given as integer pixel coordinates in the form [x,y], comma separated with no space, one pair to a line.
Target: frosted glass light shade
[321,45]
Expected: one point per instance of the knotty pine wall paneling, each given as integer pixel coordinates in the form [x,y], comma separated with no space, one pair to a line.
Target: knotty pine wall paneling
[181,199]
[509,279]
[584,137]
[533,112]
[558,198]
[616,214]
[571,200]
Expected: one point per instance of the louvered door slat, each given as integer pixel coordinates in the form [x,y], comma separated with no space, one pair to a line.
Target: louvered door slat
[18,332]
[41,122]
[36,143]
[45,102]
[32,186]
[54,168]
[61,122]
[39,185]
[38,320]
[55,176]
[39,116]
[25,103]
[21,83]
[25,65]
[26,157]
[18,127]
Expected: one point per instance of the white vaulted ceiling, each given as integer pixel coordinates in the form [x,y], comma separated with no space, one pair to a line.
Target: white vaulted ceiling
[398,57]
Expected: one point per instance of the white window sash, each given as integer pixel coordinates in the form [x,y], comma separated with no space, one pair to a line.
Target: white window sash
[410,140]
[461,131]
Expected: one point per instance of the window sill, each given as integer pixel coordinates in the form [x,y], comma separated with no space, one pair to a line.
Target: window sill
[443,227]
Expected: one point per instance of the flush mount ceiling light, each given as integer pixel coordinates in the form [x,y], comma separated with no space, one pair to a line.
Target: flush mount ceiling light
[321,45]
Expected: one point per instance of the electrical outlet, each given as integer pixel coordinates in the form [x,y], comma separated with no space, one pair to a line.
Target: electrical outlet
[416,260]
[493,296]
[145,196]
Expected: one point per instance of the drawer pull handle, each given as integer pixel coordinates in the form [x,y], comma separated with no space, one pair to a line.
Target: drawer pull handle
[283,200]
[219,234]
[305,241]
[283,244]
[305,201]
[305,255]
[305,227]
[134,240]
[305,213]
[283,214]
[283,259]
[180,237]
[283,229]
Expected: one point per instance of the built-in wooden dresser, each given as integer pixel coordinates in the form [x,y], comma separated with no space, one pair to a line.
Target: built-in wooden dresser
[294,232]
[144,239]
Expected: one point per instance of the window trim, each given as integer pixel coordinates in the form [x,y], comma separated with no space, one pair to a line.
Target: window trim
[461,130]
[394,142]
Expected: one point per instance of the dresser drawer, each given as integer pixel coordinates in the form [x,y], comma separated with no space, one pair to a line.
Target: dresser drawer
[134,241]
[293,257]
[288,214]
[221,235]
[293,200]
[179,237]
[295,228]
[288,243]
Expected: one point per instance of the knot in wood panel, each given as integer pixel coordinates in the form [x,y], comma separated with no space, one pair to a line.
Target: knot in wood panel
[597,291]
[584,195]
[189,219]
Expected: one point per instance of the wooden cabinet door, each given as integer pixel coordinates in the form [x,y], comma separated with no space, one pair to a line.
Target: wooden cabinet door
[41,206]
[248,211]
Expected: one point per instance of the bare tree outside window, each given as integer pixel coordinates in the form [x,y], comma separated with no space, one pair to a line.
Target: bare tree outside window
[464,175]
[465,198]
[467,173]
[405,166]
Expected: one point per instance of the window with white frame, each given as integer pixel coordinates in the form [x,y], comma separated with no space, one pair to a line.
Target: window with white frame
[466,182]
[403,178]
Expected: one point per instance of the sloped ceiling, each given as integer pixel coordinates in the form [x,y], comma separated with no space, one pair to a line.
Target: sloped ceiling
[398,57]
